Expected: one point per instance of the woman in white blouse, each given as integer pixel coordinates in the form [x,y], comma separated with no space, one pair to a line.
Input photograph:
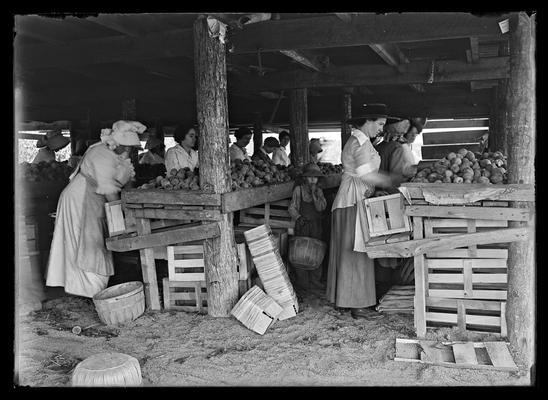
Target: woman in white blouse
[183,155]
[351,273]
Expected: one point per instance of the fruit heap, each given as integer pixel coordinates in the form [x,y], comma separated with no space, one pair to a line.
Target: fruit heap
[465,167]
[182,179]
[330,169]
[45,171]
[244,174]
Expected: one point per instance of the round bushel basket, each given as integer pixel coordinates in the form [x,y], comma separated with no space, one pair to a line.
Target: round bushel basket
[108,369]
[120,303]
[306,252]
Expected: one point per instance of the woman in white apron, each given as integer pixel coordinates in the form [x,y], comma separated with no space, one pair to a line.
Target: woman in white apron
[351,273]
[79,260]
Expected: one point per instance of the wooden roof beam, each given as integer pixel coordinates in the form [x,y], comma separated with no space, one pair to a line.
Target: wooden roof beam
[369,75]
[393,56]
[304,58]
[365,29]
[288,34]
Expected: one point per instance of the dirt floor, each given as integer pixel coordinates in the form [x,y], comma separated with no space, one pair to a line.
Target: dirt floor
[320,346]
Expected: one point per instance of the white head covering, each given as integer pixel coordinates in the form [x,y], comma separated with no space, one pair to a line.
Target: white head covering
[123,133]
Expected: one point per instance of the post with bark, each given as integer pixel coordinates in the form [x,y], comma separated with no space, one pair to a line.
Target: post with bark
[521,307]
[346,129]
[212,114]
[257,133]
[298,127]
[498,121]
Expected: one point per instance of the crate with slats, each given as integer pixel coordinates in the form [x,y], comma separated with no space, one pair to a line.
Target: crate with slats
[386,215]
[185,295]
[256,310]
[280,235]
[274,214]
[473,355]
[464,285]
[271,269]
[186,263]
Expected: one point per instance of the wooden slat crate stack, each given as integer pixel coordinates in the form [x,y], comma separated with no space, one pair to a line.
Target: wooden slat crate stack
[190,296]
[271,269]
[461,262]
[474,355]
[256,310]
[399,299]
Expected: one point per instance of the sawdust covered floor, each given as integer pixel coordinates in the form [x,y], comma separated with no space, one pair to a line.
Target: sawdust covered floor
[320,346]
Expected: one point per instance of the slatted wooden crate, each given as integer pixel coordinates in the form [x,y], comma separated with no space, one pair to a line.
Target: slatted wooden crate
[256,310]
[274,214]
[186,263]
[271,270]
[464,286]
[385,215]
[185,295]
[474,355]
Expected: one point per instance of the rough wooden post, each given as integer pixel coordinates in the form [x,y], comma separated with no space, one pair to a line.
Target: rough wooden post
[521,307]
[298,127]
[346,129]
[257,133]
[212,109]
[498,127]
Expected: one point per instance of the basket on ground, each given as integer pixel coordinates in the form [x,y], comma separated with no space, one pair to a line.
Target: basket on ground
[306,252]
[120,303]
[108,369]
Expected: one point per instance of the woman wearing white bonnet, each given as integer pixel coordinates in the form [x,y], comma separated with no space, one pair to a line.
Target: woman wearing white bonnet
[79,260]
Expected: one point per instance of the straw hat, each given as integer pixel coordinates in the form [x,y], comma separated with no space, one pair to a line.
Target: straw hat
[376,110]
[312,169]
[53,139]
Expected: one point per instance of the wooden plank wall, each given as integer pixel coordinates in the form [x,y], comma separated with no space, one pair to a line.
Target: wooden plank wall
[437,145]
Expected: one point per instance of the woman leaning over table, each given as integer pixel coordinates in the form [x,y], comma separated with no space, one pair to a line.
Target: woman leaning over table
[79,260]
[351,273]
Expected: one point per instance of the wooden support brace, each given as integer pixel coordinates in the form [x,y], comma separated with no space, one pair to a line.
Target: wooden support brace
[148,266]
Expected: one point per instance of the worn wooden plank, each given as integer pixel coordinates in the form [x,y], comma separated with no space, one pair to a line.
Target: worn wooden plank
[491,213]
[499,354]
[247,198]
[467,274]
[148,266]
[463,223]
[160,196]
[460,294]
[395,210]
[165,293]
[473,191]
[178,235]
[421,284]
[457,123]
[439,263]
[421,246]
[432,352]
[465,353]
[270,211]
[206,215]
[378,217]
[463,253]
[503,325]
[482,320]
[452,137]
[469,304]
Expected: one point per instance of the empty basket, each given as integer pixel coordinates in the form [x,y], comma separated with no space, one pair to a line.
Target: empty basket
[306,252]
[120,303]
[108,369]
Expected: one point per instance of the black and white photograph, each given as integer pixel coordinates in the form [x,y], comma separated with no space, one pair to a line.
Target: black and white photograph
[259,199]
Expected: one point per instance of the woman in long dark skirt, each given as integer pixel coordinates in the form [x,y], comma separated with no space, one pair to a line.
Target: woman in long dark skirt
[351,273]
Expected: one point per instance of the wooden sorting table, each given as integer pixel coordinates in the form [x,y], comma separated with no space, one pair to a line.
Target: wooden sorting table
[162,218]
[460,248]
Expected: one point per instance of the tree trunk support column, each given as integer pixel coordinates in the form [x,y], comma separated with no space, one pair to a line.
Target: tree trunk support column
[521,307]
[346,129]
[212,112]
[298,126]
